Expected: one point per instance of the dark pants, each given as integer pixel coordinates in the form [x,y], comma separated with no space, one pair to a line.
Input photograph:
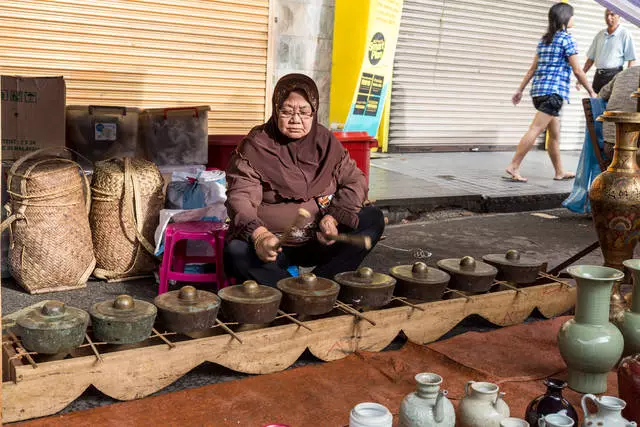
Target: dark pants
[603,76]
[242,263]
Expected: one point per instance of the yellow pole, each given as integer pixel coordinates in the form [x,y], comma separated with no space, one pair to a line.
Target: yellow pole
[383,130]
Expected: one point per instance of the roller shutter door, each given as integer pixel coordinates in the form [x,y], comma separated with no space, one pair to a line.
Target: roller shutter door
[458,63]
[146,53]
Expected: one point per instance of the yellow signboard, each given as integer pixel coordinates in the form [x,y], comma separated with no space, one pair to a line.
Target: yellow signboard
[365,38]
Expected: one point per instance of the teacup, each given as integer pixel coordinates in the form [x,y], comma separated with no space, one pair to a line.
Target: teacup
[555,420]
[513,422]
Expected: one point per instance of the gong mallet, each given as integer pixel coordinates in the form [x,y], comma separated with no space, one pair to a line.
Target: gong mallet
[301,219]
[355,240]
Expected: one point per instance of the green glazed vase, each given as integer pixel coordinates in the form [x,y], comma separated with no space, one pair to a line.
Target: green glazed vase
[589,344]
[630,322]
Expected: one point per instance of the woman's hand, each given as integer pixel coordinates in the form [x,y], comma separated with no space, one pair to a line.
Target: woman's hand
[328,226]
[266,244]
[517,97]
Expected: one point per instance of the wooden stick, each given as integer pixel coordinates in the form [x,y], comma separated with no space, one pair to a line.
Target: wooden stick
[558,268]
[296,321]
[457,292]
[509,285]
[93,347]
[354,312]
[554,278]
[355,240]
[163,338]
[300,221]
[405,302]
[22,350]
[229,331]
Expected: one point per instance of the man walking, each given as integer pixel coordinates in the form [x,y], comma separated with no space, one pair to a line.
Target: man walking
[610,49]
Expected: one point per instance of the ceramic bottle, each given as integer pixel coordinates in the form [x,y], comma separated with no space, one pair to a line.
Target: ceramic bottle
[629,321]
[589,344]
[427,406]
[552,402]
[609,412]
[482,405]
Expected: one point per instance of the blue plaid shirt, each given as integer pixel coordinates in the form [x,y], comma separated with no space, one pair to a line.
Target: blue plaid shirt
[553,74]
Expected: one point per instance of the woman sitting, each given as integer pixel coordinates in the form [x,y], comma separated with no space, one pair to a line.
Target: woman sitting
[288,163]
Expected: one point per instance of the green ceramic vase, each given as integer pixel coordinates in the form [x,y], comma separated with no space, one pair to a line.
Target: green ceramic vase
[589,344]
[630,325]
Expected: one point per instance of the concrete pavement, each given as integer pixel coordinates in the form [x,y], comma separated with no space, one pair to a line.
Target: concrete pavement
[422,182]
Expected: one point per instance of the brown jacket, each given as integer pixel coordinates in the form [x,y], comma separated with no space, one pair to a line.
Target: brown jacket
[257,194]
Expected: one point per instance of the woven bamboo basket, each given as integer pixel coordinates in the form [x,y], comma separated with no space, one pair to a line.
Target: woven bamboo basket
[127,195]
[50,240]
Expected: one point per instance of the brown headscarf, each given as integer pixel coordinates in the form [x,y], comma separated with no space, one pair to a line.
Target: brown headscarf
[297,169]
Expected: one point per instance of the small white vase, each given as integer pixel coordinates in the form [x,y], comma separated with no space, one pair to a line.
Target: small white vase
[370,414]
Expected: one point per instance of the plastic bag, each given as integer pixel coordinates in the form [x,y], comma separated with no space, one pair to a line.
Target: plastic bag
[193,192]
[215,213]
[588,167]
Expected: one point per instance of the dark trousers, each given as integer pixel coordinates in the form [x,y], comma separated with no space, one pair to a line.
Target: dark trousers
[602,77]
[242,263]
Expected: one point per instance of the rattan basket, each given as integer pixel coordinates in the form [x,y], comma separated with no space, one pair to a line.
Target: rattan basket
[50,240]
[127,195]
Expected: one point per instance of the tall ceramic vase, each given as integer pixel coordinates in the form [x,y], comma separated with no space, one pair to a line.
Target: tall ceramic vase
[589,344]
[615,197]
[629,322]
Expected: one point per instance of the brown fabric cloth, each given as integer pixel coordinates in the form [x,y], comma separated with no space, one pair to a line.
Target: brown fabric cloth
[271,176]
[322,395]
[466,349]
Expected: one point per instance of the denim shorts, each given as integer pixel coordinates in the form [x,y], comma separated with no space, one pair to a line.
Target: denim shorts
[548,104]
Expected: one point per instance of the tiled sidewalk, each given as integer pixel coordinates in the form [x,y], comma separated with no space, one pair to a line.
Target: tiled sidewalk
[410,178]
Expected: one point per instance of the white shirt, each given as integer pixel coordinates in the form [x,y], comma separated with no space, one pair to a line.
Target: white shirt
[612,50]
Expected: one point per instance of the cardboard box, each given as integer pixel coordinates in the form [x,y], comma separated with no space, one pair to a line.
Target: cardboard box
[32,113]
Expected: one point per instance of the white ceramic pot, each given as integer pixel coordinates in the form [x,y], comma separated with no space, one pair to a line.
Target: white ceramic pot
[482,405]
[370,414]
[555,420]
[609,412]
[513,422]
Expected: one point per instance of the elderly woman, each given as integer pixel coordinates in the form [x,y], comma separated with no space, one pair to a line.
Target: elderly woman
[288,163]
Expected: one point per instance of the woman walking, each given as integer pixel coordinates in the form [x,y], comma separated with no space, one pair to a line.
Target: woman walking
[556,56]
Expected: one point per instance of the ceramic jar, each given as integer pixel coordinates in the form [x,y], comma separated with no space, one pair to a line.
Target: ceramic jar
[370,414]
[609,412]
[629,386]
[629,322]
[615,197]
[428,405]
[589,344]
[555,420]
[482,405]
[551,402]
[615,193]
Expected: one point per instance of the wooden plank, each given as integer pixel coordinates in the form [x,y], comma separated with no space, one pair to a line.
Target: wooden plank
[139,372]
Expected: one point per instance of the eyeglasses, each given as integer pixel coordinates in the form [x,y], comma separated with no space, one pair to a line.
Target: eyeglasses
[287,114]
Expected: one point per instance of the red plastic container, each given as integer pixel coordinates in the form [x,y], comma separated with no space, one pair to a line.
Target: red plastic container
[359,145]
[220,149]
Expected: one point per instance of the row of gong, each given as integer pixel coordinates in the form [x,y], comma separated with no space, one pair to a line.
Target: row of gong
[55,327]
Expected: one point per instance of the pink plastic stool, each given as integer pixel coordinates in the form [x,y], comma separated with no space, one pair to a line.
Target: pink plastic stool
[175,246]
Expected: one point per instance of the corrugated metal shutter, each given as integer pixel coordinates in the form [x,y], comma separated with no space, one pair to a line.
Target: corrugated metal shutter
[458,63]
[146,53]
